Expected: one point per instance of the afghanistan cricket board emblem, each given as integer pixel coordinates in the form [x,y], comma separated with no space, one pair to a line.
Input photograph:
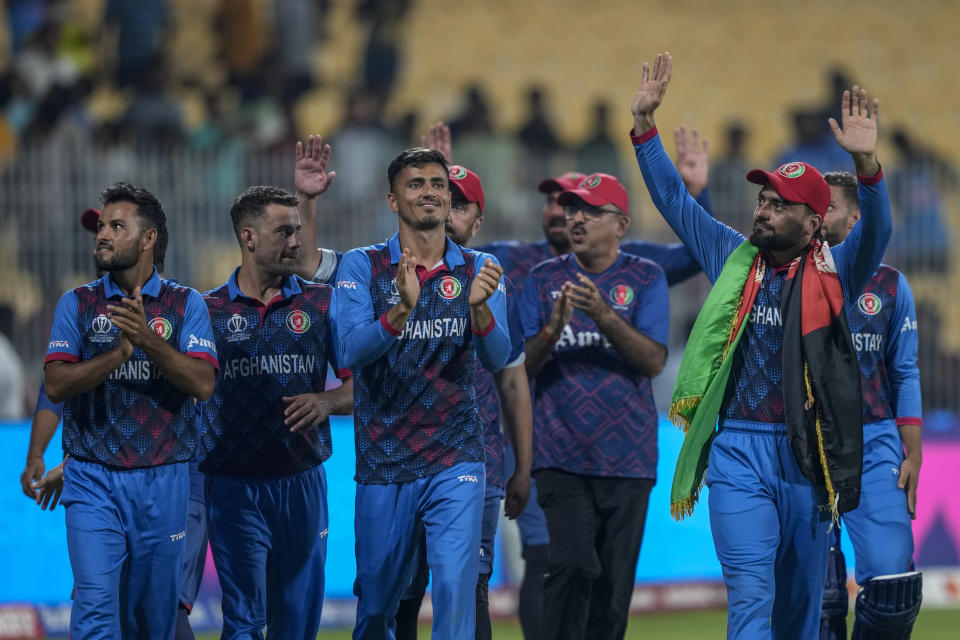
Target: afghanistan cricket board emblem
[161,327]
[449,288]
[457,172]
[870,304]
[591,182]
[298,321]
[792,170]
[621,295]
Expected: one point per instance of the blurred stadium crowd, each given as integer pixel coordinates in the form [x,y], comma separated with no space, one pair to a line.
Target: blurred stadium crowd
[197,99]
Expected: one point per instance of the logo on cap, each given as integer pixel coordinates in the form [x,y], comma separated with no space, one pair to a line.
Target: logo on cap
[870,304]
[621,295]
[457,172]
[792,170]
[298,321]
[161,327]
[449,288]
[590,182]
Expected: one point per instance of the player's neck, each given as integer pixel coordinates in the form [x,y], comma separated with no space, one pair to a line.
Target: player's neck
[258,286]
[428,247]
[136,276]
[596,263]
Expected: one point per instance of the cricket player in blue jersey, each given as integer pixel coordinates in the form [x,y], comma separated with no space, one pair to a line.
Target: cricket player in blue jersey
[266,428]
[508,390]
[595,322]
[412,315]
[883,322]
[771,356]
[127,355]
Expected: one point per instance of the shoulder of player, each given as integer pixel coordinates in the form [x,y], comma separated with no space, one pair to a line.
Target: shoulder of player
[645,266]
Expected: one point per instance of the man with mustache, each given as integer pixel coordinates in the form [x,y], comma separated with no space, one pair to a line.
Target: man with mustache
[127,354]
[266,428]
[771,358]
[883,323]
[595,322]
[412,317]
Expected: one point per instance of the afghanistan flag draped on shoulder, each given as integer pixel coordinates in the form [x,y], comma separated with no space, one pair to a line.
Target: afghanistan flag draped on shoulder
[821,378]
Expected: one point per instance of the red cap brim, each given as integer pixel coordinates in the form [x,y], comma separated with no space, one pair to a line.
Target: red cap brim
[89,219]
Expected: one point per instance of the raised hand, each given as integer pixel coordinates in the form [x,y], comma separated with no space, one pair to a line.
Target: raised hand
[485,282]
[310,176]
[653,86]
[438,138]
[692,159]
[408,283]
[857,131]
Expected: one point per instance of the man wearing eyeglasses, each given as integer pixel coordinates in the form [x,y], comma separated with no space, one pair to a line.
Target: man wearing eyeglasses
[595,322]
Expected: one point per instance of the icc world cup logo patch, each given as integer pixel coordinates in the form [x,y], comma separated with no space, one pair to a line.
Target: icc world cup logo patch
[621,295]
[449,288]
[870,304]
[298,321]
[792,170]
[457,172]
[161,327]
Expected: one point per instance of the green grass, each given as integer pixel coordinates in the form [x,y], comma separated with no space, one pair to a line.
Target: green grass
[933,624]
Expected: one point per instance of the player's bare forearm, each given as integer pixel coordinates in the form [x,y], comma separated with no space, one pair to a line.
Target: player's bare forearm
[910,467]
[480,317]
[538,349]
[42,429]
[910,435]
[642,354]
[308,260]
[398,314]
[193,376]
[514,391]
[867,164]
[64,380]
[341,398]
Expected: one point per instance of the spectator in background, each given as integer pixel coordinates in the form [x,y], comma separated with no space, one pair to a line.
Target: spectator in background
[733,199]
[537,136]
[921,240]
[382,53]
[813,142]
[598,154]
[153,117]
[139,29]
[244,43]
[12,399]
[475,117]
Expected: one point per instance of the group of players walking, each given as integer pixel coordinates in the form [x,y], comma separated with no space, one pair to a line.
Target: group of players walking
[188,415]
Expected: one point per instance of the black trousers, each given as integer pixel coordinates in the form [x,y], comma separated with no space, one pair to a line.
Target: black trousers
[596,527]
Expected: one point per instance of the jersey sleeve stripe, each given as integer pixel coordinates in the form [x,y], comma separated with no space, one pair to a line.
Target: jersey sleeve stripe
[60,355]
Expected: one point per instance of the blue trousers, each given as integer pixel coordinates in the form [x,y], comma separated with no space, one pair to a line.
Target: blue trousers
[390,522]
[126,538]
[269,542]
[880,527]
[769,526]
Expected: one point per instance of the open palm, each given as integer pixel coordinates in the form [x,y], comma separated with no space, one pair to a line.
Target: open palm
[857,131]
[310,175]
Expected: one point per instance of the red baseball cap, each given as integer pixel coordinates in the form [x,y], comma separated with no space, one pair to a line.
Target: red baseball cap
[467,183]
[566,182]
[797,182]
[89,218]
[597,189]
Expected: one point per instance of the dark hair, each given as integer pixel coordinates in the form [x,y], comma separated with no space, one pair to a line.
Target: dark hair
[253,203]
[160,249]
[149,209]
[415,157]
[846,181]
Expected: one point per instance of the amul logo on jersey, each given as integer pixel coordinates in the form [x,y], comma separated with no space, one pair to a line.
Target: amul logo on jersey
[298,321]
[448,288]
[870,304]
[161,327]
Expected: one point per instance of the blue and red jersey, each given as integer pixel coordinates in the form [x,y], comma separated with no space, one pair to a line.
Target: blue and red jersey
[755,390]
[488,399]
[267,352]
[415,407]
[135,418]
[883,324]
[592,413]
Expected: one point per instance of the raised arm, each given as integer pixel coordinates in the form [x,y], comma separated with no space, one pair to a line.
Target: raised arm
[708,240]
[311,179]
[859,255]
[439,139]
[488,313]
